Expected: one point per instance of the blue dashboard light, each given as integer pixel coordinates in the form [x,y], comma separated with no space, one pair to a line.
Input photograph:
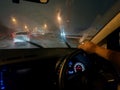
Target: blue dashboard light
[70,72]
[70,63]
[2,86]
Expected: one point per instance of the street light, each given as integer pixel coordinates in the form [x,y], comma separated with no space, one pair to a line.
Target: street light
[26,28]
[59,18]
[45,26]
[14,20]
[15,23]
[61,26]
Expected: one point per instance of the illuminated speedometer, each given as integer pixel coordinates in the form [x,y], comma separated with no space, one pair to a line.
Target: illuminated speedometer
[79,67]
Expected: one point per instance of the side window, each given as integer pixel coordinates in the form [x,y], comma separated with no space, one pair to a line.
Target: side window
[113,40]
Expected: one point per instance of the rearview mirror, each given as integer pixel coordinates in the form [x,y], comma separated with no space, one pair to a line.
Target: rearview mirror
[44,1]
[37,1]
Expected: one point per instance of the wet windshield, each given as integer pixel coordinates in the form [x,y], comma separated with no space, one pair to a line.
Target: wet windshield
[57,24]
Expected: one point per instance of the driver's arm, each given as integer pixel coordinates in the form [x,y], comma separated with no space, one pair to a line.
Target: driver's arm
[110,55]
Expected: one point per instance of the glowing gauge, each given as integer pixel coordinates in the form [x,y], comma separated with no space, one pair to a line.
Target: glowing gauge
[79,67]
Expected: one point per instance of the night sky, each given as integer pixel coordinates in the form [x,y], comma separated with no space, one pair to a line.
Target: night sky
[81,13]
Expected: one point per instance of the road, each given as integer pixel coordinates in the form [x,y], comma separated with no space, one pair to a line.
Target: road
[46,41]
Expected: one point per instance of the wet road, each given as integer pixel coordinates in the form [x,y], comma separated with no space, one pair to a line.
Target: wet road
[45,41]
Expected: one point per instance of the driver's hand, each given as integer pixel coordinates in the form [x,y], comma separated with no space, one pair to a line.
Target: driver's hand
[88,47]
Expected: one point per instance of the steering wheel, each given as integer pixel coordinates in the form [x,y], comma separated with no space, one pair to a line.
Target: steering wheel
[77,71]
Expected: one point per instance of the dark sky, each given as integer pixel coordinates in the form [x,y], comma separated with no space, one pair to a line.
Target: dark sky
[81,13]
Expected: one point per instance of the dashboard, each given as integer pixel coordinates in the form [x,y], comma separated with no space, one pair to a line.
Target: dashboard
[83,71]
[57,69]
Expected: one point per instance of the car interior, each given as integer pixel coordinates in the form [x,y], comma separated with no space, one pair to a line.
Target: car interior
[56,63]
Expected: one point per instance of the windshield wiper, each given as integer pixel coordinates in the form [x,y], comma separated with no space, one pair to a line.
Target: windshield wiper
[67,43]
[35,44]
[63,37]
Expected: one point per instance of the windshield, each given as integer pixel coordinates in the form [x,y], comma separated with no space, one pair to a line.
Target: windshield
[57,24]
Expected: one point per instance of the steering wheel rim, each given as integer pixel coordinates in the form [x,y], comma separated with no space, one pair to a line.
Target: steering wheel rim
[64,66]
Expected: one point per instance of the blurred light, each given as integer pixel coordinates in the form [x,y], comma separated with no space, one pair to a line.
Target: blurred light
[63,34]
[59,18]
[26,27]
[45,26]
[2,86]
[70,72]
[70,63]
[14,20]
